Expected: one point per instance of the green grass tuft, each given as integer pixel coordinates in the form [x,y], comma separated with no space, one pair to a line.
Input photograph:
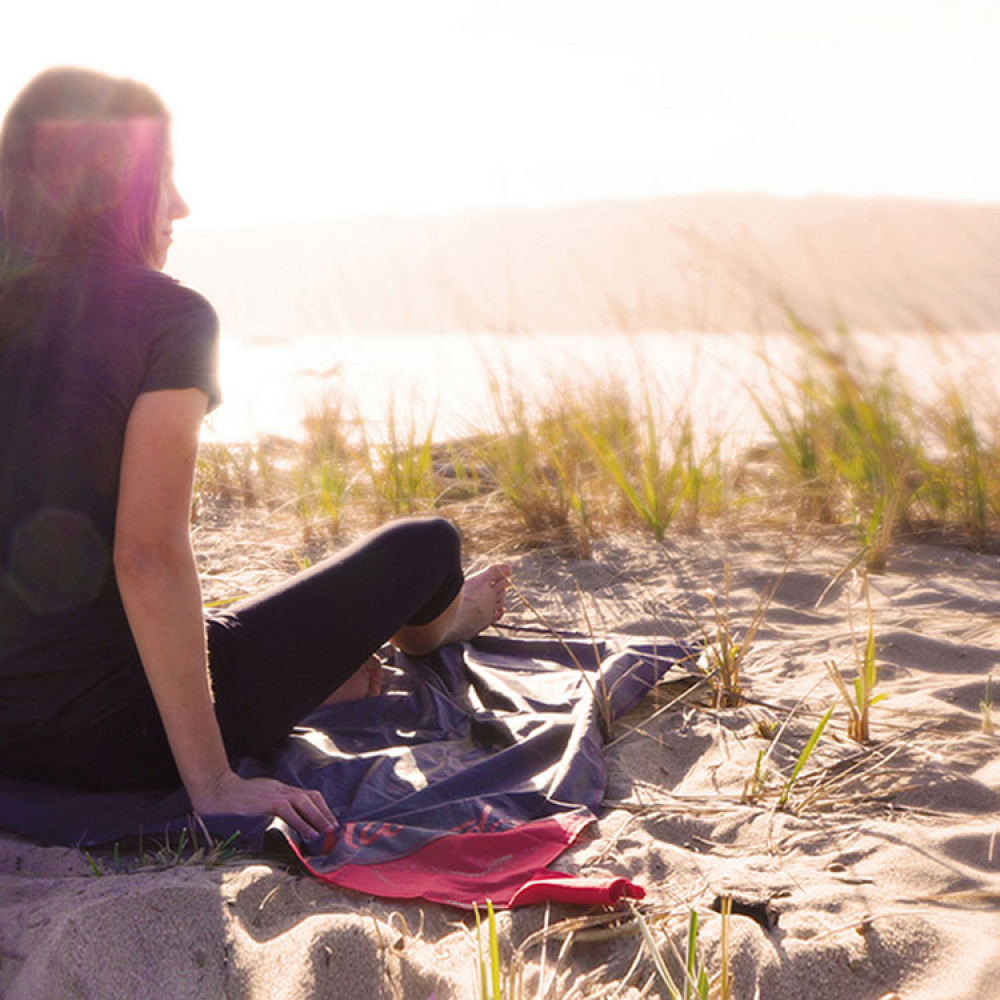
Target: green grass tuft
[852,447]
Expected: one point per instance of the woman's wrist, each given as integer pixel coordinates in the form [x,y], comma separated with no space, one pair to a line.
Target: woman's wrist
[207,783]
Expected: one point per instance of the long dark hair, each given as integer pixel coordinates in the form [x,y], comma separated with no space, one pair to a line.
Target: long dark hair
[81,160]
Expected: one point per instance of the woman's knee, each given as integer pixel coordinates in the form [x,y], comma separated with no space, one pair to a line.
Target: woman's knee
[443,536]
[429,539]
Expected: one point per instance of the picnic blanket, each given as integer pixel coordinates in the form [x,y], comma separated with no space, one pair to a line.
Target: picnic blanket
[472,771]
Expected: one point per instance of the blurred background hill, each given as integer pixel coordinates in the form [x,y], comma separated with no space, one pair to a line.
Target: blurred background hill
[705,263]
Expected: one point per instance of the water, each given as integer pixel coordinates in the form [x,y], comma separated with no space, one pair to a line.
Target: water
[269,386]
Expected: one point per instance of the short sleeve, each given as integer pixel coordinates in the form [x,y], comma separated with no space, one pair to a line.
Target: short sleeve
[184,349]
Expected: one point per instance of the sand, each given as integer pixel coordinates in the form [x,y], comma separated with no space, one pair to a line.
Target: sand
[882,878]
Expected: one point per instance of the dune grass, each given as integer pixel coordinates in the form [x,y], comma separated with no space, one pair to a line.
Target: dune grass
[726,647]
[324,471]
[803,758]
[866,677]
[490,977]
[851,441]
[399,464]
[986,707]
[195,847]
[537,459]
[850,447]
[678,966]
[693,981]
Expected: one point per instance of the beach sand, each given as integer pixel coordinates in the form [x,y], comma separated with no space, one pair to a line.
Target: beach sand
[881,877]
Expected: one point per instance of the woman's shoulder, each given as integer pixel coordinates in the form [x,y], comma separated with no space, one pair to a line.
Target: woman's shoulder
[155,288]
[162,300]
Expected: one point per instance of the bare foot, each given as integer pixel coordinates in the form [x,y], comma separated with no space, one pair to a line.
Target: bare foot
[365,682]
[479,604]
[482,602]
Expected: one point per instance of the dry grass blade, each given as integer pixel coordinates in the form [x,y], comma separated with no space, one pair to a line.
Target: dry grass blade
[861,784]
[540,994]
[725,655]
[603,693]
[655,955]
[484,989]
[726,981]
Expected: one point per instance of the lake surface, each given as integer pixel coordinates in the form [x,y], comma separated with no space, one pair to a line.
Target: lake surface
[270,386]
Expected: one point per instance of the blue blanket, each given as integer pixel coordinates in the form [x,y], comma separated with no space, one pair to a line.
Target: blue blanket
[463,780]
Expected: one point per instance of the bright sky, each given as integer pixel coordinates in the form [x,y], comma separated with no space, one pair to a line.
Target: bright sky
[300,109]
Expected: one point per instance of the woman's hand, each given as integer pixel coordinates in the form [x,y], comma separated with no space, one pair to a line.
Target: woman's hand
[304,810]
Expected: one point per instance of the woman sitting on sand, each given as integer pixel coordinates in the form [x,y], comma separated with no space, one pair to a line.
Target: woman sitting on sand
[109,675]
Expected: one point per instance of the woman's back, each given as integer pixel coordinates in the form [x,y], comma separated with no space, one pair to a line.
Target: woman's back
[104,332]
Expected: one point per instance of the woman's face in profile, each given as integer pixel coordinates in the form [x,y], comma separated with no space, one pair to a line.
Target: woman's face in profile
[169,206]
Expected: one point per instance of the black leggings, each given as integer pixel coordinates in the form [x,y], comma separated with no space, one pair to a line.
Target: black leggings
[276,657]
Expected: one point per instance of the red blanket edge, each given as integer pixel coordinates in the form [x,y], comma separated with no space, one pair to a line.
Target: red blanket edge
[508,867]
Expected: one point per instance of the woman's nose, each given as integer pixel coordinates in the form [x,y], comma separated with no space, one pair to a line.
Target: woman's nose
[178,206]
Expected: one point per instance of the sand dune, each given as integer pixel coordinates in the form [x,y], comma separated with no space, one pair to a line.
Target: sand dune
[882,876]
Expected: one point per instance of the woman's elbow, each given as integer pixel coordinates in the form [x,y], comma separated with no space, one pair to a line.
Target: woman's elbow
[139,559]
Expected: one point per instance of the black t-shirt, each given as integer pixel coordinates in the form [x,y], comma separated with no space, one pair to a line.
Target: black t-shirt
[106,333]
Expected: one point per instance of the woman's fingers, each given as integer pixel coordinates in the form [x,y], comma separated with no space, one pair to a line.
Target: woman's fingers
[321,810]
[306,812]
[287,811]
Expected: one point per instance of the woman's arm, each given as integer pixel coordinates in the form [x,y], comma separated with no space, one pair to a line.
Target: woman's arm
[158,581]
